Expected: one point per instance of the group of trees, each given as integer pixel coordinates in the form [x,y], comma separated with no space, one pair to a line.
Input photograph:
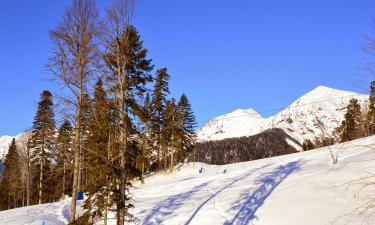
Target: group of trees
[358,122]
[117,130]
[272,142]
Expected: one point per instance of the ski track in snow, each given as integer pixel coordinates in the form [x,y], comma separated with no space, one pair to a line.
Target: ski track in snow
[257,192]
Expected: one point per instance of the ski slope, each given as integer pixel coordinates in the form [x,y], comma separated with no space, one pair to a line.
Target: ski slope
[299,189]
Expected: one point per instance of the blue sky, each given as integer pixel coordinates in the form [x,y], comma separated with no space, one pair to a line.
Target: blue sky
[224,55]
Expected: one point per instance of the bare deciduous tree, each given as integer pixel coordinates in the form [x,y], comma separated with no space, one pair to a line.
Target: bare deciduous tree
[74,52]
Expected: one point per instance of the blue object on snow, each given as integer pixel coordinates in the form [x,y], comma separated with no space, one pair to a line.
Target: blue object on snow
[79,195]
[225,170]
[1,169]
[43,223]
[201,170]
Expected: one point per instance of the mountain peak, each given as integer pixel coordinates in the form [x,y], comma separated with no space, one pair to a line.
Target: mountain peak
[318,112]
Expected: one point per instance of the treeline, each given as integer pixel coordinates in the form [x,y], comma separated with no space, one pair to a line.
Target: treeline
[269,143]
[358,122]
[118,130]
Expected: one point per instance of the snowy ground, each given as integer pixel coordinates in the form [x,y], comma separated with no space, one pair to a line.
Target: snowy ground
[299,189]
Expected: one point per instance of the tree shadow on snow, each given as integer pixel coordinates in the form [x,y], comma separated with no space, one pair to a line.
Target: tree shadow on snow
[222,189]
[250,201]
[166,208]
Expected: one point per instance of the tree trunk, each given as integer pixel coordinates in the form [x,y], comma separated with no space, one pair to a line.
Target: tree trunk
[40,182]
[106,209]
[63,181]
[77,144]
[172,154]
[143,171]
[28,183]
[123,136]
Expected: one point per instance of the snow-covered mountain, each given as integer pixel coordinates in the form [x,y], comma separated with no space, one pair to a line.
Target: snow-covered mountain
[234,124]
[317,113]
[6,140]
[4,144]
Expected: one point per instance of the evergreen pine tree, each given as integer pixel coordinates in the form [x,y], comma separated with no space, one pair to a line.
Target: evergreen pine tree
[64,158]
[129,72]
[42,146]
[158,103]
[11,183]
[188,126]
[100,142]
[85,120]
[171,133]
[371,111]
[351,126]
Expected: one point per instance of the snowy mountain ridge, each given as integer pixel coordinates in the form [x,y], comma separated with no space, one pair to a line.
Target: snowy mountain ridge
[316,114]
[6,140]
[4,144]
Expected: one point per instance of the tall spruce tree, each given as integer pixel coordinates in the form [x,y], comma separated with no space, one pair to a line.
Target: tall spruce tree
[188,127]
[85,120]
[64,158]
[171,133]
[351,126]
[11,183]
[42,145]
[371,110]
[128,73]
[145,138]
[158,104]
[100,142]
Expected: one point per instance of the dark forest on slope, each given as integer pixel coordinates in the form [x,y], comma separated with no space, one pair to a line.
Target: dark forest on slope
[269,143]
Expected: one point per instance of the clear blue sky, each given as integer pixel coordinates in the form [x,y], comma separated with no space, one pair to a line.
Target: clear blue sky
[224,55]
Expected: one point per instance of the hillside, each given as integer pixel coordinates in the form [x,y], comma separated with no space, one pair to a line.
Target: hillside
[315,114]
[302,188]
[4,144]
[5,141]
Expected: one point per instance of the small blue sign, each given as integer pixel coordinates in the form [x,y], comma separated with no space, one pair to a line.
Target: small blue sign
[79,195]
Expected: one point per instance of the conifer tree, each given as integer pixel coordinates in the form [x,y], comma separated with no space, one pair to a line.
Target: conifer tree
[98,156]
[351,126]
[188,126]
[10,185]
[128,73]
[158,104]
[42,146]
[64,158]
[371,111]
[172,132]
[85,120]
[144,138]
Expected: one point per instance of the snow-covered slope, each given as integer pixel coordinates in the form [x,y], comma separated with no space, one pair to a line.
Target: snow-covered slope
[6,140]
[233,124]
[315,114]
[303,188]
[4,144]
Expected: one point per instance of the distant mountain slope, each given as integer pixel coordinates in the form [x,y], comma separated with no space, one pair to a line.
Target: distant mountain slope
[6,140]
[4,144]
[315,114]
[235,124]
